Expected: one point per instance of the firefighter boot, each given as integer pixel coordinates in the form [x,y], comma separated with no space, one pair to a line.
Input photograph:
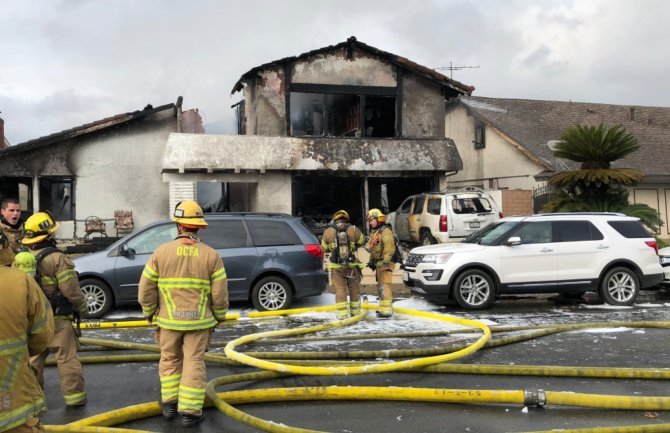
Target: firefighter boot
[342,310]
[191,420]
[169,409]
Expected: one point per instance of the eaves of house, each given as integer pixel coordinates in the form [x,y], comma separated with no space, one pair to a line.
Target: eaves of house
[531,124]
[350,44]
[87,128]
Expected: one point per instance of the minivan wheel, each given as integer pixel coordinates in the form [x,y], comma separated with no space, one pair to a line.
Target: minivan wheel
[427,239]
[619,286]
[98,297]
[474,290]
[272,293]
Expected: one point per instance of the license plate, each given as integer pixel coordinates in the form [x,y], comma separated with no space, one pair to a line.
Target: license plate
[474,225]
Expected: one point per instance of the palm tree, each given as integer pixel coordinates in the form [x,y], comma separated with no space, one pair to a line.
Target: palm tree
[595,185]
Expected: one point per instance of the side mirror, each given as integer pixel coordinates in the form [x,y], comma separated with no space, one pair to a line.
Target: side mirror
[125,250]
[514,240]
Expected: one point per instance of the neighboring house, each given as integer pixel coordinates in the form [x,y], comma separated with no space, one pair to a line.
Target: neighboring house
[97,168]
[346,126]
[507,144]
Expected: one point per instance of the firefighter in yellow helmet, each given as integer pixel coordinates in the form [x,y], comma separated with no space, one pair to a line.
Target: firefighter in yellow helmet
[382,251]
[342,240]
[184,292]
[59,282]
[26,328]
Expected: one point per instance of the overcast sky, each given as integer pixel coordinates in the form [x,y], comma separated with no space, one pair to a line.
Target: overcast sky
[70,62]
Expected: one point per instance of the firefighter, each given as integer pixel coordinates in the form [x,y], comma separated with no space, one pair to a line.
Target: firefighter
[342,240]
[56,275]
[26,328]
[10,230]
[184,292]
[381,246]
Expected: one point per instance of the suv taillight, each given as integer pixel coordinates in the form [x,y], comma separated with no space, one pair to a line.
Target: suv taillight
[500,215]
[653,245]
[314,249]
[444,227]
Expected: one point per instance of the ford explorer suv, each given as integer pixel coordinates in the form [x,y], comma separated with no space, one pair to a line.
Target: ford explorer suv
[439,217]
[569,253]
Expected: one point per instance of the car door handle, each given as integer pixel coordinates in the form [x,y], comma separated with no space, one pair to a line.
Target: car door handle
[602,246]
[546,250]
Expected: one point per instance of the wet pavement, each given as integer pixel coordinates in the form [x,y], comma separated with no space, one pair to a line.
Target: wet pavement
[113,386]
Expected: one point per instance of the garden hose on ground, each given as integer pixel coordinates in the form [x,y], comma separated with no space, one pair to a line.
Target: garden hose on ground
[413,394]
[359,369]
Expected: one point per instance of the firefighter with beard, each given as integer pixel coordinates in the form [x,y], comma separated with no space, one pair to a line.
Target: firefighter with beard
[184,292]
[342,240]
[10,230]
[382,252]
[59,282]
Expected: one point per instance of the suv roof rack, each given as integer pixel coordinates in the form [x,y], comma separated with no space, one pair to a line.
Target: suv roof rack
[463,189]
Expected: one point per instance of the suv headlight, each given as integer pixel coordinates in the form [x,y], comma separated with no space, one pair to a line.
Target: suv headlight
[437,259]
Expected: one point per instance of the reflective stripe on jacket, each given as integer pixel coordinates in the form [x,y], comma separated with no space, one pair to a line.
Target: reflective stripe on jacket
[26,328]
[184,286]
[58,275]
[355,238]
[381,245]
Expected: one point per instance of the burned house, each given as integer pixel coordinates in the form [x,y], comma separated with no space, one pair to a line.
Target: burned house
[346,126]
[93,171]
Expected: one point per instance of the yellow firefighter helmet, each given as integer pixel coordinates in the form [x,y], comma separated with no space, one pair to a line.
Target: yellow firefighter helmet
[37,227]
[376,213]
[189,214]
[340,214]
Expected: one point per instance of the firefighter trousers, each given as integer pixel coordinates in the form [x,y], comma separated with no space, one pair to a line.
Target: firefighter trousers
[347,281]
[182,368]
[64,346]
[384,282]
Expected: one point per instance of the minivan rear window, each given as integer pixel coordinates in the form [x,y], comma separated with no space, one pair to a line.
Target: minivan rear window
[266,233]
[630,229]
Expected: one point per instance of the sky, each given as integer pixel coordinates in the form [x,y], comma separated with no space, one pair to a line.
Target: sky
[70,62]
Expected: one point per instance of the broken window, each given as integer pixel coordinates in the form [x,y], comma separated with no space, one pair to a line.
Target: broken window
[213,196]
[57,197]
[20,188]
[339,115]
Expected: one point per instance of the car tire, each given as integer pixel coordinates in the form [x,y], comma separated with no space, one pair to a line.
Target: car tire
[427,239]
[272,293]
[620,286]
[474,290]
[98,297]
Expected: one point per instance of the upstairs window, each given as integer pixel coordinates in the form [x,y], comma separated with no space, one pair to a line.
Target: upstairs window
[341,114]
[480,138]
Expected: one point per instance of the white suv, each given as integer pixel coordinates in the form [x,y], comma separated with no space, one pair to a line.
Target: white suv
[438,217]
[566,253]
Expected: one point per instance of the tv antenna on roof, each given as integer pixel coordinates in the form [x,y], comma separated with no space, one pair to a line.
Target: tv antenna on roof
[451,68]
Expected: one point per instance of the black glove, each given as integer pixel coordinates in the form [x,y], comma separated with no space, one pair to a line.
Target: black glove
[371,265]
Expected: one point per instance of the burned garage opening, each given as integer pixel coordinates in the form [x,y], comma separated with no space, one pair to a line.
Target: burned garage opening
[317,197]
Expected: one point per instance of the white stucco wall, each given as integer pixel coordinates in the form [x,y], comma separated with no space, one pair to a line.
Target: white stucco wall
[123,171]
[499,159]
[335,68]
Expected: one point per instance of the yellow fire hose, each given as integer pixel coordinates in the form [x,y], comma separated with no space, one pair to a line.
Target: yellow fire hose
[100,423]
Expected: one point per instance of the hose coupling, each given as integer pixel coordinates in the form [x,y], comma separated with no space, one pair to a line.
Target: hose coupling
[534,397]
